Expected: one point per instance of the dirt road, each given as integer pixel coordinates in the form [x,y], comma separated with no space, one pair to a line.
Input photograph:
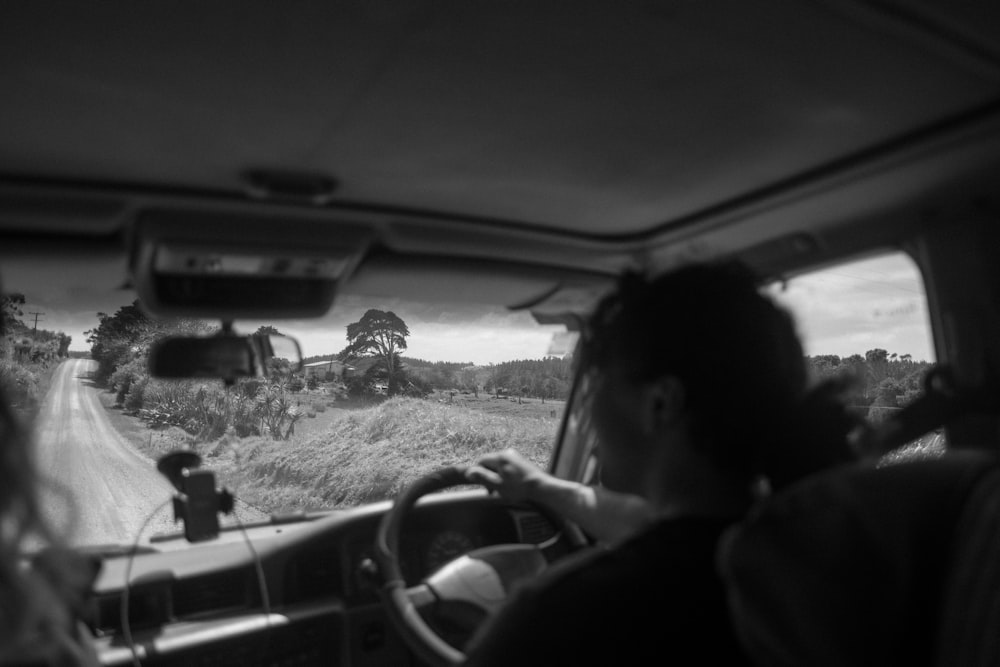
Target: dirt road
[114,487]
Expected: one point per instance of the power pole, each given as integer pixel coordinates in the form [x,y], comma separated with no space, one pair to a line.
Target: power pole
[36,320]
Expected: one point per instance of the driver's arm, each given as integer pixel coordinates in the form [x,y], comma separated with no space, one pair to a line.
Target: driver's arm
[605,515]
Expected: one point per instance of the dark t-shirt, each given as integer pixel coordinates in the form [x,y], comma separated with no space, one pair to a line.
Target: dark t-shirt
[656,598]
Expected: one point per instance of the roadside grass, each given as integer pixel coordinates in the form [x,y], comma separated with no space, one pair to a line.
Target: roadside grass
[371,454]
[527,407]
[929,446]
[25,384]
[360,454]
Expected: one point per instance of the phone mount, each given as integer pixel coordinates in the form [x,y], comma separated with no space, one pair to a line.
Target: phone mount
[197,503]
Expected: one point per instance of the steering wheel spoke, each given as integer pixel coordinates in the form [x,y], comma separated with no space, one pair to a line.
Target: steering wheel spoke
[421,596]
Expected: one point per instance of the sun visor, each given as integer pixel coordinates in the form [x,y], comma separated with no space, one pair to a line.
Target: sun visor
[228,266]
[570,303]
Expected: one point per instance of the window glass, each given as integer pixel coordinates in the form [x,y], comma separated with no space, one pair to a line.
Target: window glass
[390,390]
[868,318]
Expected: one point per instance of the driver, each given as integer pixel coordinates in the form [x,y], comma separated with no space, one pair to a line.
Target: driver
[698,396]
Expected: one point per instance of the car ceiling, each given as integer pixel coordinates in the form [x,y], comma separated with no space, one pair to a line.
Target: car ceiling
[606,123]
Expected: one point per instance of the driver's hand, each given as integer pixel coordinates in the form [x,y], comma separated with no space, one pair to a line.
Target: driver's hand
[509,474]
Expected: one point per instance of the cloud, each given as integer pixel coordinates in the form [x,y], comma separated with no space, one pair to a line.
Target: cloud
[843,310]
[852,308]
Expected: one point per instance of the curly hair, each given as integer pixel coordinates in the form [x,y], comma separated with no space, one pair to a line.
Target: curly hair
[740,360]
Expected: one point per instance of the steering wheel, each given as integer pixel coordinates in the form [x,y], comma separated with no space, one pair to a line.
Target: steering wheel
[478,581]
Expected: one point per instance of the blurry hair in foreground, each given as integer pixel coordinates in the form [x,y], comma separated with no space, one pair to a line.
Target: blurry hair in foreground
[739,357]
[42,592]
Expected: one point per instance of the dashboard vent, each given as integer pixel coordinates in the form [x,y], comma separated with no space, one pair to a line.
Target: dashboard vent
[215,593]
[535,528]
[148,608]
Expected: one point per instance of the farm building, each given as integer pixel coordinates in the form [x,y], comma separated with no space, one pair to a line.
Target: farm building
[321,369]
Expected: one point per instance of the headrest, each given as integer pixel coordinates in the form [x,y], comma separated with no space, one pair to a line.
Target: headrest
[847,567]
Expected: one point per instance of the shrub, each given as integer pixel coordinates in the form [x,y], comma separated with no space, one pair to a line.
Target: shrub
[124,376]
[250,386]
[134,398]
[209,411]
[20,385]
[358,386]
[416,387]
[336,391]
[110,356]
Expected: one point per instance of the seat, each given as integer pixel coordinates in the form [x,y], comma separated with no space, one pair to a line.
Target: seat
[866,565]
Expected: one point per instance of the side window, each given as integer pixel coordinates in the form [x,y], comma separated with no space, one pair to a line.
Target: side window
[868,318]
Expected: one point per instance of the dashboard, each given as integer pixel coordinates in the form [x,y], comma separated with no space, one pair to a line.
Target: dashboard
[300,592]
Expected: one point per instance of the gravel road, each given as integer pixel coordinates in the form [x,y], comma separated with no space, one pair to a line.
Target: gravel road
[114,488]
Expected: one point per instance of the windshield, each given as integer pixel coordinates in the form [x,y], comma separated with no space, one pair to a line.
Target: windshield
[389,390]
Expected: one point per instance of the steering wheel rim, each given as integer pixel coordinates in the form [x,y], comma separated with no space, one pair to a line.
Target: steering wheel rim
[395,595]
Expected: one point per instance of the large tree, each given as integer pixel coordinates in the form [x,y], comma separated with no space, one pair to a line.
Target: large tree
[113,341]
[381,334]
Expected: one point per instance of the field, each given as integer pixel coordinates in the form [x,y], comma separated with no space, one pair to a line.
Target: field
[348,453]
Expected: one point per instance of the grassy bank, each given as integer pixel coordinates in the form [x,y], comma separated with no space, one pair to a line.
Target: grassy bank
[361,455]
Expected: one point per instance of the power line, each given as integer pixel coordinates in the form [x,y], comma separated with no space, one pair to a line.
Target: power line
[35,328]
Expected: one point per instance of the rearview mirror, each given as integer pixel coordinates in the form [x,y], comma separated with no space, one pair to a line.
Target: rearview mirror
[225,356]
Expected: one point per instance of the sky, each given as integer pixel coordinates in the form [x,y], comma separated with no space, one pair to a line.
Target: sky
[850,309]
[844,310]
[452,332]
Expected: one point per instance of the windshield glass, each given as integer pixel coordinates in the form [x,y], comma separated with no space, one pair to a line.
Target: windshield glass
[389,391]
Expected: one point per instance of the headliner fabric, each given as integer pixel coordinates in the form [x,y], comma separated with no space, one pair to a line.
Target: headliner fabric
[849,567]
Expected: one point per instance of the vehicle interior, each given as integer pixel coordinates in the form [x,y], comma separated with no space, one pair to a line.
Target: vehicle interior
[270,162]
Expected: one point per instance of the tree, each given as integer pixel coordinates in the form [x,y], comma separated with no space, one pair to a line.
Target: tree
[267,330]
[878,364]
[495,379]
[128,335]
[469,380]
[10,311]
[382,334]
[113,342]
[64,341]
